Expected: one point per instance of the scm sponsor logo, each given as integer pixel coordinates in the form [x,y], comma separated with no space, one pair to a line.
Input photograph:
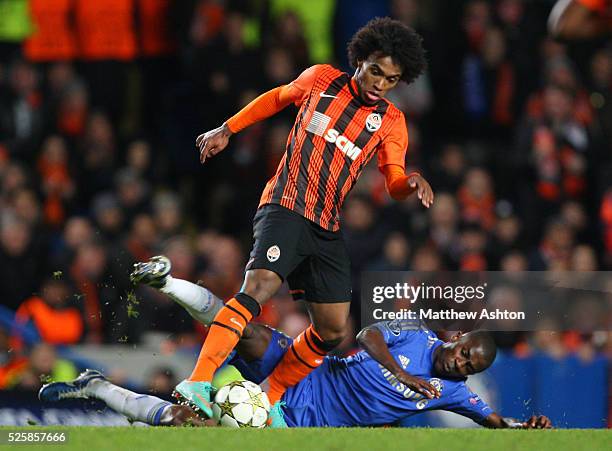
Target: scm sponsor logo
[343,143]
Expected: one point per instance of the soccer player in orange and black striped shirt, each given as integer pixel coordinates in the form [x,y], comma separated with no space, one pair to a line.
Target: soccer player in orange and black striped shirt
[342,123]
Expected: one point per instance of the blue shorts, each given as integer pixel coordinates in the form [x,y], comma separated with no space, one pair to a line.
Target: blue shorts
[258,370]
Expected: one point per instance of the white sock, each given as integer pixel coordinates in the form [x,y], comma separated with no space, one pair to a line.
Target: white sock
[137,407]
[199,302]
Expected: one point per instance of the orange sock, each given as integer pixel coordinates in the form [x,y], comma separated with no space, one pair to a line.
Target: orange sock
[225,331]
[302,357]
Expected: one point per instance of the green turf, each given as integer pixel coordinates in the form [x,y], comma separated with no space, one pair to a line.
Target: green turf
[217,439]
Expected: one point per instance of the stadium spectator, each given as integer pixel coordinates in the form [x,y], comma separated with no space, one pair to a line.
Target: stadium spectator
[96,157]
[108,215]
[448,170]
[506,237]
[584,259]
[71,106]
[395,254]
[139,159]
[77,230]
[477,199]
[22,117]
[555,248]
[167,213]
[23,260]
[142,240]
[56,181]
[426,258]
[223,274]
[514,261]
[103,292]
[288,34]
[53,314]
[444,227]
[45,366]
[132,193]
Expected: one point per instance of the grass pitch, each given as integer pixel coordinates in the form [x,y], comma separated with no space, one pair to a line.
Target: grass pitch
[171,439]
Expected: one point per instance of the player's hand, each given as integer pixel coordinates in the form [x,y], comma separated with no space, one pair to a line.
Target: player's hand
[213,142]
[423,189]
[418,385]
[538,422]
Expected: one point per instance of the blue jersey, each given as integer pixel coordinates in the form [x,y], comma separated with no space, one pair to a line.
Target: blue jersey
[358,391]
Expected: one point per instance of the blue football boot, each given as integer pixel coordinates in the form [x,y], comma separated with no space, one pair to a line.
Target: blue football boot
[75,389]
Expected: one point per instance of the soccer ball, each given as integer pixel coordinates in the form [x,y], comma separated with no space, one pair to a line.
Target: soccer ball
[241,404]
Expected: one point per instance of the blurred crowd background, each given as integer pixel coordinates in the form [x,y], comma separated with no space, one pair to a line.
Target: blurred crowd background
[101,102]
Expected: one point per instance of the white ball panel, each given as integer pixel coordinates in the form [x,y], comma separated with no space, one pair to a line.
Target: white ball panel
[238,394]
[252,387]
[228,421]
[221,395]
[243,412]
[259,418]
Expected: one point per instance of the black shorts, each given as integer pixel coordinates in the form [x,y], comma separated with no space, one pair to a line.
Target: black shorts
[314,261]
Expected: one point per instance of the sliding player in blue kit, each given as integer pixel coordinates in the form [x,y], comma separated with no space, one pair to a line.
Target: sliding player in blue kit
[402,370]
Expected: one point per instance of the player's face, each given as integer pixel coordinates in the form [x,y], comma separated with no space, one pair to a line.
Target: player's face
[460,357]
[376,76]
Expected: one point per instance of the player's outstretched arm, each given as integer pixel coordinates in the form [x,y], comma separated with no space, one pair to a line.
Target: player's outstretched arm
[495,421]
[373,342]
[264,106]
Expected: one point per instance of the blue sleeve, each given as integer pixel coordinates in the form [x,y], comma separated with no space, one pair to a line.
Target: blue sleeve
[398,331]
[467,403]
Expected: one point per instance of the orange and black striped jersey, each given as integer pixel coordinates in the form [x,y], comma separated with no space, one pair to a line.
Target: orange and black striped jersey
[334,136]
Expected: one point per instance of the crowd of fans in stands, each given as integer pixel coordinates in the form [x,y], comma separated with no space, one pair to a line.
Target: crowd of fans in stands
[98,166]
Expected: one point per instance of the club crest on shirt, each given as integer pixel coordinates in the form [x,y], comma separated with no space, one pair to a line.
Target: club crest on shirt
[273,253]
[437,383]
[373,122]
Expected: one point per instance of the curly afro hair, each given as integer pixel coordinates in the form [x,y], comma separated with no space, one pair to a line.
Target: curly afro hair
[389,37]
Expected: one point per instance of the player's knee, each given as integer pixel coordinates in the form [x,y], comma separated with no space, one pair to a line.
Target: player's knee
[331,337]
[261,284]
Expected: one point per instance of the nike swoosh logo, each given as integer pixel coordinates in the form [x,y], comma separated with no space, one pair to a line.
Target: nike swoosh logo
[328,95]
[236,322]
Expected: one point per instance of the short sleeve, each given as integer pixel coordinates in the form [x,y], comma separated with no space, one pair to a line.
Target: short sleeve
[399,331]
[469,404]
[394,146]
